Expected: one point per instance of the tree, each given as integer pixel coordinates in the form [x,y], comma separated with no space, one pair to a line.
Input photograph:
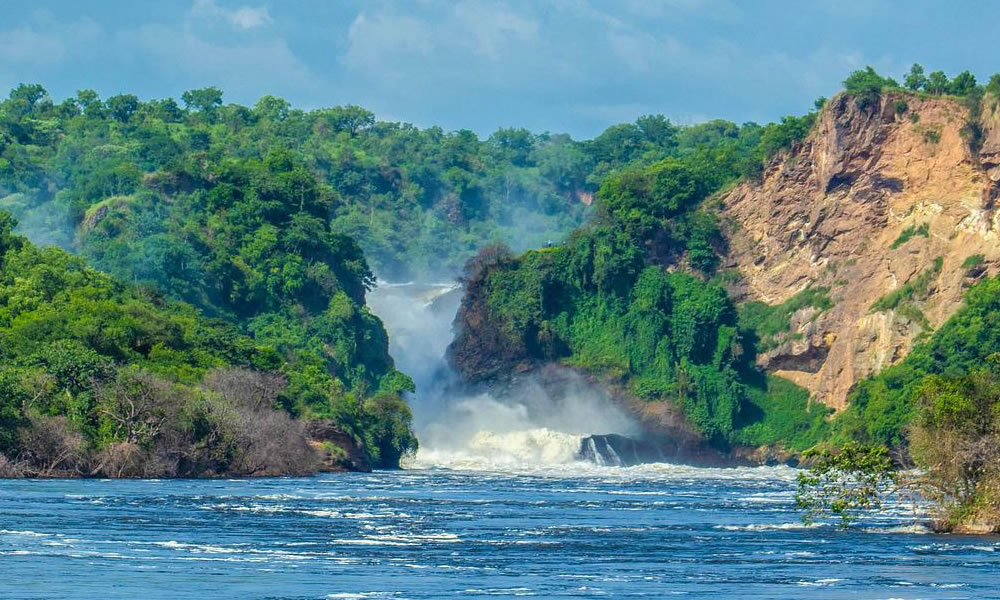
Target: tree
[956,438]
[392,437]
[993,87]
[352,119]
[658,131]
[963,84]
[134,406]
[29,96]
[50,444]
[937,83]
[122,107]
[8,239]
[204,100]
[513,145]
[846,483]
[617,145]
[243,387]
[866,86]
[90,103]
[272,108]
[641,197]
[915,79]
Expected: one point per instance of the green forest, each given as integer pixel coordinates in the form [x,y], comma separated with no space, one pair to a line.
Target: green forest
[634,298]
[194,288]
[420,202]
[603,301]
[267,222]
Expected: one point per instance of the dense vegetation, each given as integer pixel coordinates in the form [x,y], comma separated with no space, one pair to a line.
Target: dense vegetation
[420,201]
[882,406]
[770,323]
[252,220]
[243,236]
[604,301]
[953,437]
[938,407]
[250,215]
[632,297]
[101,378]
[866,85]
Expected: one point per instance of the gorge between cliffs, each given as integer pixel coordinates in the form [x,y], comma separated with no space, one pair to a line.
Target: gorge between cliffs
[312,354]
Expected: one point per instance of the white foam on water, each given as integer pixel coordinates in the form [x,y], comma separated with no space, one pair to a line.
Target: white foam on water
[466,461]
[914,528]
[820,582]
[490,451]
[24,533]
[768,526]
[401,539]
[530,427]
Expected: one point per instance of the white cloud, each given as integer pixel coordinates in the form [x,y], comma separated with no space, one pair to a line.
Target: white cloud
[243,17]
[491,26]
[257,68]
[46,44]
[374,40]
[387,43]
[25,45]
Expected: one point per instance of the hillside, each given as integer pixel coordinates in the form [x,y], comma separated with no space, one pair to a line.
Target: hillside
[863,207]
[856,239]
[245,240]
[99,378]
[418,201]
[258,216]
[628,301]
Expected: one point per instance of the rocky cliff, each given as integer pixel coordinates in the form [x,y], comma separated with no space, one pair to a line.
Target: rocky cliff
[892,208]
[884,214]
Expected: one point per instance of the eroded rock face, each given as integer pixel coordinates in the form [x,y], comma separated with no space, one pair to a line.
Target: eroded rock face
[989,154]
[481,351]
[828,214]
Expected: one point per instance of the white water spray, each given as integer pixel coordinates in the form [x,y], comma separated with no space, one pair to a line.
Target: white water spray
[528,427]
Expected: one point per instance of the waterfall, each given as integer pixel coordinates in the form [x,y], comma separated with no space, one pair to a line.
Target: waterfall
[529,425]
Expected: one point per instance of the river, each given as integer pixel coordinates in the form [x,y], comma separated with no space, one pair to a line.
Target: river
[573,531]
[496,503]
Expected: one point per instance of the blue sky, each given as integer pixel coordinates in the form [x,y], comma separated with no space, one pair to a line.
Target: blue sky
[572,66]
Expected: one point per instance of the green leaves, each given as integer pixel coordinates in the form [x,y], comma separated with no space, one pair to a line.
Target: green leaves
[641,198]
[204,100]
[845,484]
[866,86]
[883,405]
[904,236]
[770,323]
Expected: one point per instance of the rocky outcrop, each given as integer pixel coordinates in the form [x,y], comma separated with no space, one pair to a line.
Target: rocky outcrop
[989,153]
[864,206]
[889,208]
[481,350]
[337,450]
[623,451]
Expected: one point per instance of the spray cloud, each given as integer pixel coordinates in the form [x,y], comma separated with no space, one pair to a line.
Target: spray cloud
[533,422]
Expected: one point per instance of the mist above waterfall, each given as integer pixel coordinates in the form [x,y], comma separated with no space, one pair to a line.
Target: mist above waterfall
[529,422]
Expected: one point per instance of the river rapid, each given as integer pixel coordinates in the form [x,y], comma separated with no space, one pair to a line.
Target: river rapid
[566,531]
[495,503]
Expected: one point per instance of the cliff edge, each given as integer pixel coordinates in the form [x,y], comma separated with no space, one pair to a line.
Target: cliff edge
[892,208]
